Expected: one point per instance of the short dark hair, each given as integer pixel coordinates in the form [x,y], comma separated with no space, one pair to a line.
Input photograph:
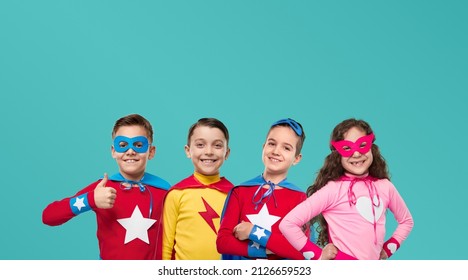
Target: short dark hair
[210,122]
[134,119]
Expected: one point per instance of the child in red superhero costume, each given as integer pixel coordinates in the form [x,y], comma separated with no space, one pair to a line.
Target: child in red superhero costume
[128,204]
[254,209]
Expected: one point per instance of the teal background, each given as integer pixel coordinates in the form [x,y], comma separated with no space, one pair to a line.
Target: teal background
[69,69]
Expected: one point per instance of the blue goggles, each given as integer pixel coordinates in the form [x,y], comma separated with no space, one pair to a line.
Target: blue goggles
[139,144]
[292,123]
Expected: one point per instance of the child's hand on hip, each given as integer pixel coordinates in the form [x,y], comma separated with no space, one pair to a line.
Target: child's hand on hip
[329,252]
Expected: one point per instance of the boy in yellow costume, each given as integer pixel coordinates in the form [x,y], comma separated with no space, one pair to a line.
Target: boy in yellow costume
[193,207]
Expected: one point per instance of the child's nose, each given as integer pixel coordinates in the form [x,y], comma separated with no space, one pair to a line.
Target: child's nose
[356,154]
[130,151]
[276,150]
[209,150]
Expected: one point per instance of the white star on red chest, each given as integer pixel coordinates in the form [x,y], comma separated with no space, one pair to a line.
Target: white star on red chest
[136,226]
[263,218]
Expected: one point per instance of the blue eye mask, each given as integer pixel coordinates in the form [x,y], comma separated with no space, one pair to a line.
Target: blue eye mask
[139,144]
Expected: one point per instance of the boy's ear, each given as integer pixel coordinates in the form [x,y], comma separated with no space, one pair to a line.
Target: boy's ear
[228,152]
[152,152]
[112,151]
[187,151]
[298,159]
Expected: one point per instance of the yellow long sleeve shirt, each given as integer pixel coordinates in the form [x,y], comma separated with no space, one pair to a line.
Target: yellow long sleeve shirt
[191,217]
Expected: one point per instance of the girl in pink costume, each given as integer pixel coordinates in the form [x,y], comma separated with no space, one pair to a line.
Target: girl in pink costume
[348,201]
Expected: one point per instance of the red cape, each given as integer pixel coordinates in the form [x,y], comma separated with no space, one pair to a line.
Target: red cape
[223,185]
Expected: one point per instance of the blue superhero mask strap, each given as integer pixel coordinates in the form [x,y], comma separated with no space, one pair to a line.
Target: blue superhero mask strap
[139,144]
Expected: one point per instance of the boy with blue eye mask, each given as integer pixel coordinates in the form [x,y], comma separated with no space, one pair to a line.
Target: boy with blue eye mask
[127,204]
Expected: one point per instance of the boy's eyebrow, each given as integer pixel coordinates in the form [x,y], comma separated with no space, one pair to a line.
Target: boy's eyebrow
[284,143]
[203,139]
[287,144]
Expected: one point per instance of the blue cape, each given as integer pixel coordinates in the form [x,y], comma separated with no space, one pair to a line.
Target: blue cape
[148,179]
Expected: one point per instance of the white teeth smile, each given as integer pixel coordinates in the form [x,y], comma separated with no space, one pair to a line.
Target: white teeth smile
[208,160]
[130,160]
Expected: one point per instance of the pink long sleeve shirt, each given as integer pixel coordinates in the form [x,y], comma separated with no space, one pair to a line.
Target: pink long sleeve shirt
[356,224]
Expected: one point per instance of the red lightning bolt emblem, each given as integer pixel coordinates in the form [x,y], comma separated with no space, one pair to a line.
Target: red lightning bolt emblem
[209,215]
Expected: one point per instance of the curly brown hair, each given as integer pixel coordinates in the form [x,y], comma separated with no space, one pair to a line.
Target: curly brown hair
[332,170]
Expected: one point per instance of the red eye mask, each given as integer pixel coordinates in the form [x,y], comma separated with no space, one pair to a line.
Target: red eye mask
[347,148]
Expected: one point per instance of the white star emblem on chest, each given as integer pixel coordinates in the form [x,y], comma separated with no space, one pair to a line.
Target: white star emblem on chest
[136,226]
[263,218]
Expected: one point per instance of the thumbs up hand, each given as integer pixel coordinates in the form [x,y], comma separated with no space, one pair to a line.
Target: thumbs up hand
[104,197]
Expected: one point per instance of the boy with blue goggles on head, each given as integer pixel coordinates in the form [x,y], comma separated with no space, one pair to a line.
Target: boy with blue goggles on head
[254,209]
[127,204]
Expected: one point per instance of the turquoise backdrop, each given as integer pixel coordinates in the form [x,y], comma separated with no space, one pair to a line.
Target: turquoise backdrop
[69,69]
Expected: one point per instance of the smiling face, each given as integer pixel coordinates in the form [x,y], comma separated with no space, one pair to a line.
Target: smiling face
[357,163]
[208,149]
[132,165]
[279,153]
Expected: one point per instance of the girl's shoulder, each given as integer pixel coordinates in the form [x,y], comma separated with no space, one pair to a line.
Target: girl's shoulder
[384,182]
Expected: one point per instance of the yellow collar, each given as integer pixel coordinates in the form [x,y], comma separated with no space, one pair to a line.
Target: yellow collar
[206,179]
